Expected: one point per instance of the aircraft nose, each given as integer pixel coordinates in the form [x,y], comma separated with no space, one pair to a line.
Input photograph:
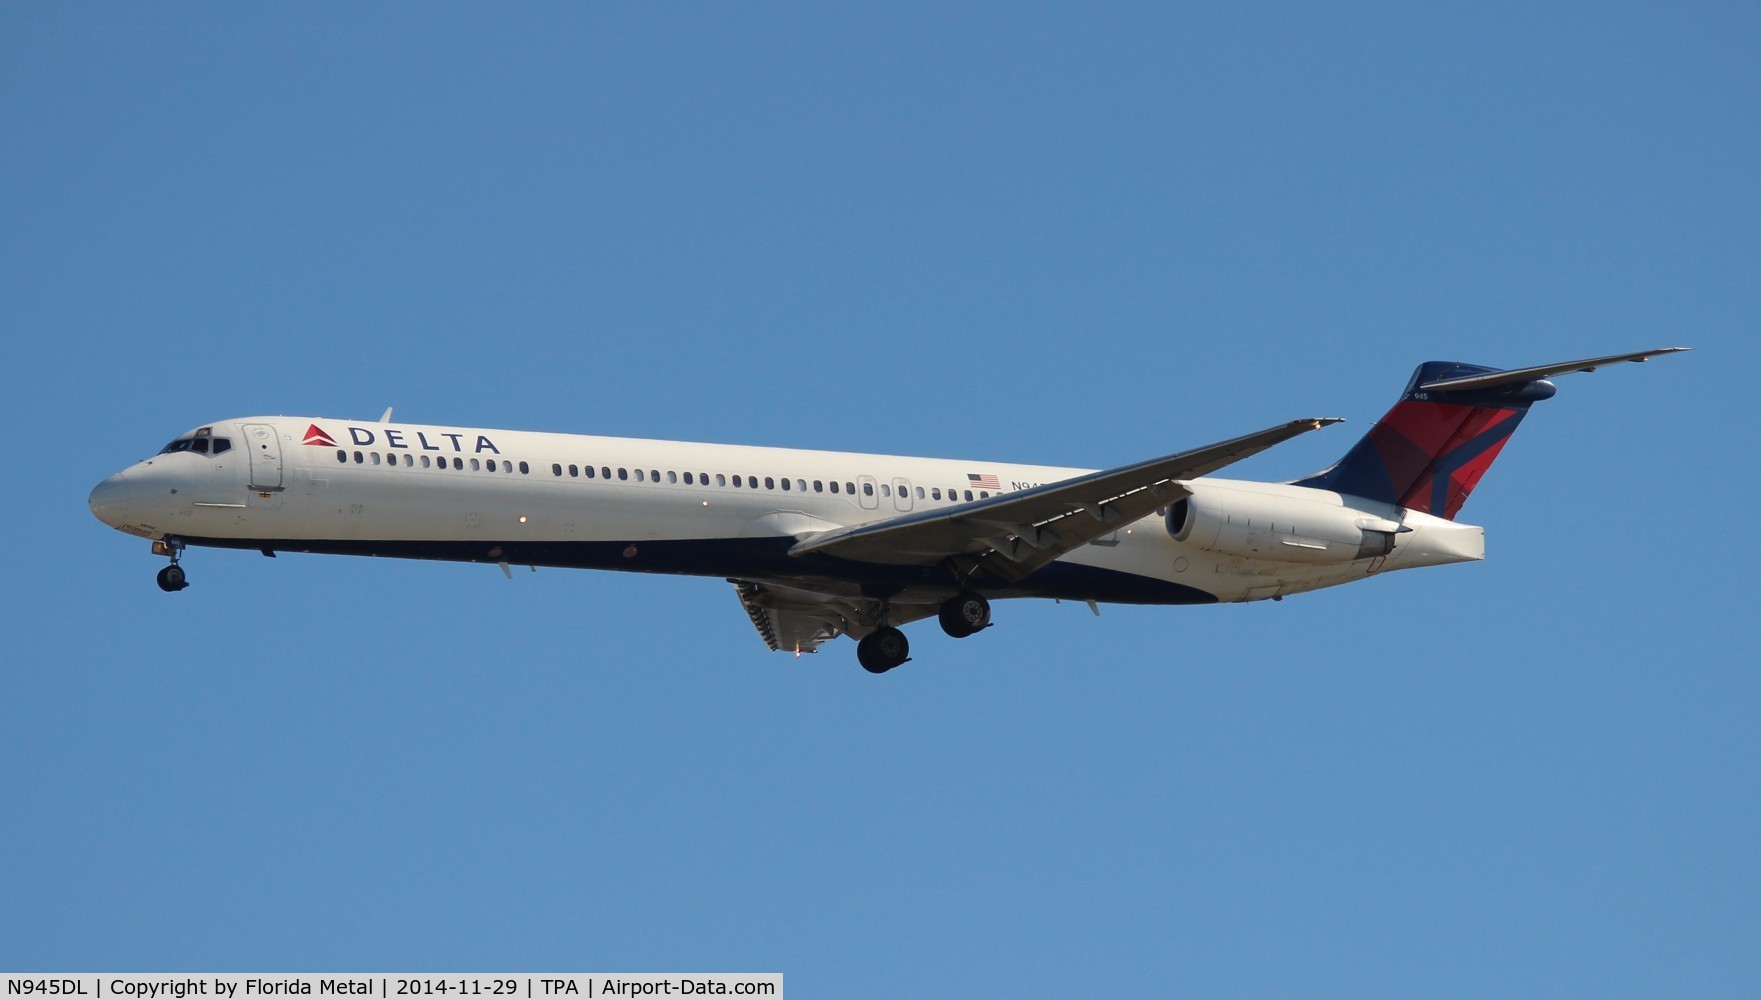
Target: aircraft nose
[110,498]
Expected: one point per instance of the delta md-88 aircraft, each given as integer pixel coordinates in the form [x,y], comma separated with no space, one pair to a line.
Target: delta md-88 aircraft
[820,544]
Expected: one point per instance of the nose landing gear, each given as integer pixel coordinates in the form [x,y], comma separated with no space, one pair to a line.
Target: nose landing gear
[171,578]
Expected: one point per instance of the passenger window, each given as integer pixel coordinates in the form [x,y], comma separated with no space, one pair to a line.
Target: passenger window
[868,489]
[409,460]
[375,458]
[920,493]
[801,485]
[605,472]
[984,494]
[969,494]
[639,477]
[769,483]
[457,463]
[476,466]
[721,479]
[672,477]
[491,464]
[849,487]
[688,480]
[623,473]
[342,456]
[886,491]
[752,482]
[222,445]
[425,462]
[935,492]
[819,486]
[834,486]
[785,484]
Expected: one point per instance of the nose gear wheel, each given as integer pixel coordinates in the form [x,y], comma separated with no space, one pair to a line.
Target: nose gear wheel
[171,579]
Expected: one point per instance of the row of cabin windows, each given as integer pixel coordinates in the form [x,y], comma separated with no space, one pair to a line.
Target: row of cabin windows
[410,461]
[748,482]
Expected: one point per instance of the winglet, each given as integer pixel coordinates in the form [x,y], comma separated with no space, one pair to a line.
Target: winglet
[385,418]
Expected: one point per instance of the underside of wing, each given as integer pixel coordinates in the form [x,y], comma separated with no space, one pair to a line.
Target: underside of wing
[1007,537]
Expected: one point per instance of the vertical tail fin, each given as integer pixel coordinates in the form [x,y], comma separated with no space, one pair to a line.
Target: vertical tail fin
[1429,451]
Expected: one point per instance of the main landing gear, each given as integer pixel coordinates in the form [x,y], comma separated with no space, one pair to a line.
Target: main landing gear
[171,578]
[886,647]
[965,614]
[883,649]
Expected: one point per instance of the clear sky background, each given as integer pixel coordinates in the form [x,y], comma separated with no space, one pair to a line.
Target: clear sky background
[1074,235]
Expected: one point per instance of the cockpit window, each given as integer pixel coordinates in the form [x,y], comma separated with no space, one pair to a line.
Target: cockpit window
[203,445]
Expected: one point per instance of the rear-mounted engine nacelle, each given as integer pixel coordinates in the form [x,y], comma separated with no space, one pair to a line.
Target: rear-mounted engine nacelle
[1285,529]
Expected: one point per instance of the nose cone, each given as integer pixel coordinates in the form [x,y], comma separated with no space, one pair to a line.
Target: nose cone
[110,499]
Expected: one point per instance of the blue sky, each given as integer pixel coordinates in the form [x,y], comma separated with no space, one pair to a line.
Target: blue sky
[1068,235]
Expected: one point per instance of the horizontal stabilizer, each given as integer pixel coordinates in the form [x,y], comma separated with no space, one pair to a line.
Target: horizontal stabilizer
[1519,376]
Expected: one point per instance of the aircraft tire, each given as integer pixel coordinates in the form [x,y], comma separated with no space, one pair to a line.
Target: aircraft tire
[171,579]
[965,614]
[883,649]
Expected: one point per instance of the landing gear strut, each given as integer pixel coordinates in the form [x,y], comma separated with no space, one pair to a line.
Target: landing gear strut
[171,578]
[882,650]
[965,614]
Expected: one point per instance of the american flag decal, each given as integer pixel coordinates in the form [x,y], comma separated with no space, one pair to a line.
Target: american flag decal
[987,481]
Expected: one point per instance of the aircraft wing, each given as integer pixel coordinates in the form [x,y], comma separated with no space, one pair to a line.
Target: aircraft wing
[800,615]
[1009,536]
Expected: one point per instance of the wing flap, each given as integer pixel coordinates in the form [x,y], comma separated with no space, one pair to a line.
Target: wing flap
[1011,535]
[800,614]
[787,623]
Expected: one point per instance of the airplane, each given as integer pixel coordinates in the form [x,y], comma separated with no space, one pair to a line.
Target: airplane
[823,544]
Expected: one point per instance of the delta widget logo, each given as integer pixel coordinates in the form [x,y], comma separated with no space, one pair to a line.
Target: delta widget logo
[315,436]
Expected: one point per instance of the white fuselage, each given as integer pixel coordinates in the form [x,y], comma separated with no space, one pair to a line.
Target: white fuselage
[525,498]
